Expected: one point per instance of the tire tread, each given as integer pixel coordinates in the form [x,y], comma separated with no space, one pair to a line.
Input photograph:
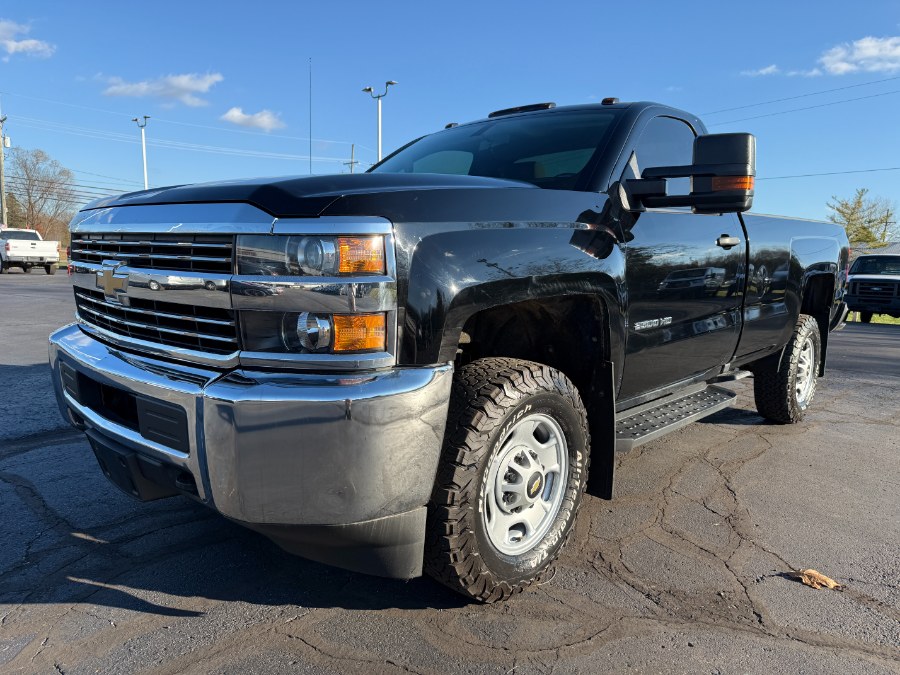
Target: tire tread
[481,394]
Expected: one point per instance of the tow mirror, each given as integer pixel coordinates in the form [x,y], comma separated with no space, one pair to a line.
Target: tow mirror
[722,177]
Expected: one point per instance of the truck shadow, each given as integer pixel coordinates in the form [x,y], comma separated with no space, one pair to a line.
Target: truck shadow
[173,561]
[736,416]
[248,568]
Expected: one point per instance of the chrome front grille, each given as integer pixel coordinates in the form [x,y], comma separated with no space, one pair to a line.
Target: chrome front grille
[206,329]
[175,252]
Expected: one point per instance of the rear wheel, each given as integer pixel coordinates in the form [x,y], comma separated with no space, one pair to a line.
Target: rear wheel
[784,384]
[511,477]
[865,317]
[51,269]
[4,267]
[26,269]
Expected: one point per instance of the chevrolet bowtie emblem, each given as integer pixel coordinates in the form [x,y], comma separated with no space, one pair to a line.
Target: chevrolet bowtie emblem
[110,282]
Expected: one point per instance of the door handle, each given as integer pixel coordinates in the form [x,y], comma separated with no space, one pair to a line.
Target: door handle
[726,241]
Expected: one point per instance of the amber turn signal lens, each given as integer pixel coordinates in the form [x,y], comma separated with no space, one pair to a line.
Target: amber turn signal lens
[359,332]
[732,183]
[361,254]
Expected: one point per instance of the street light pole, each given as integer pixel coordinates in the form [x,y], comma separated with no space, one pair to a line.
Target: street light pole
[378,98]
[141,126]
[4,208]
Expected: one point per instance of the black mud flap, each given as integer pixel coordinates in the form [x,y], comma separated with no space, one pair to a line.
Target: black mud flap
[602,418]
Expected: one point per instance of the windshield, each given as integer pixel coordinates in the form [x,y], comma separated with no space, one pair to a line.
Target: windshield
[13,234]
[876,264]
[550,150]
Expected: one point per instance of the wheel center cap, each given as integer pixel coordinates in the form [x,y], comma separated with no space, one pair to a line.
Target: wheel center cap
[535,485]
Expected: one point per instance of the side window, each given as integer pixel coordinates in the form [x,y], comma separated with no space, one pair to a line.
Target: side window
[665,141]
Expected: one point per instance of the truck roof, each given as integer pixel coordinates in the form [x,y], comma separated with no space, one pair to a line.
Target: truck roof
[633,107]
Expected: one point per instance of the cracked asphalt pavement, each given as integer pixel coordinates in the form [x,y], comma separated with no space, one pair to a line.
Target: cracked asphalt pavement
[683,572]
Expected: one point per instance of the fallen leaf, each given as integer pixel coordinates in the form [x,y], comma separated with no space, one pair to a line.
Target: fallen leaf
[814,579]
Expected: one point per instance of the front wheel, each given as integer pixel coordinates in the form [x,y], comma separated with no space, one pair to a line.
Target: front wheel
[865,317]
[51,269]
[784,384]
[510,480]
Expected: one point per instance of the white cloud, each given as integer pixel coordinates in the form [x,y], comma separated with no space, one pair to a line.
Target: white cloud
[10,32]
[814,72]
[183,88]
[264,119]
[869,54]
[768,70]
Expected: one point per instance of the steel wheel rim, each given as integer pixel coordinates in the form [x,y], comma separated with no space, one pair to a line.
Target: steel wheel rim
[805,380]
[525,484]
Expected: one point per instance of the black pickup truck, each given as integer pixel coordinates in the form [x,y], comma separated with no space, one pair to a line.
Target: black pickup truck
[424,367]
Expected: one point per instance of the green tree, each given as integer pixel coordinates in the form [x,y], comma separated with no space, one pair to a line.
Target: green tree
[14,211]
[871,221]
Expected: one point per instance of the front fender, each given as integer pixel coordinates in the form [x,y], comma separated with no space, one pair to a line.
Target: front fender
[457,272]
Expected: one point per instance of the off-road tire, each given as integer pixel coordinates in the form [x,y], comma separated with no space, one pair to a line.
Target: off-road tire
[4,268]
[51,269]
[865,317]
[26,269]
[775,377]
[489,395]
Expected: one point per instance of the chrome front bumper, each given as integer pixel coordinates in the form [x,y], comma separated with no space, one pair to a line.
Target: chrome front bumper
[276,450]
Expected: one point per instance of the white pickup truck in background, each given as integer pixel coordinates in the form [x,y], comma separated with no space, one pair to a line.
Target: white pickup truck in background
[26,249]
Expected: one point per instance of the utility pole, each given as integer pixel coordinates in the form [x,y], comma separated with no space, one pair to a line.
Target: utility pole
[378,98]
[141,126]
[4,143]
[352,161]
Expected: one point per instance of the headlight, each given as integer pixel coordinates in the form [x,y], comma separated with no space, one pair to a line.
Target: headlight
[309,333]
[306,332]
[276,255]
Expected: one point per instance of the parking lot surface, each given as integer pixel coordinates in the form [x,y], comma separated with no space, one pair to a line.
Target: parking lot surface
[683,572]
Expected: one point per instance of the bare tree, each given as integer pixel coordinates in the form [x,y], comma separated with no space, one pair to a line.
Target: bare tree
[43,188]
[868,220]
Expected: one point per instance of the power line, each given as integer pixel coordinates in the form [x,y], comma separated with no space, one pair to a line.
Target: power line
[260,134]
[44,125]
[48,180]
[100,175]
[810,107]
[792,98]
[70,105]
[831,173]
[19,184]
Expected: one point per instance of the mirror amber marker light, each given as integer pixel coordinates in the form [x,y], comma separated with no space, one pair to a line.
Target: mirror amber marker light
[732,183]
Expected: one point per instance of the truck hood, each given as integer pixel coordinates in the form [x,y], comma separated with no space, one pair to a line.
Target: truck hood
[886,278]
[307,196]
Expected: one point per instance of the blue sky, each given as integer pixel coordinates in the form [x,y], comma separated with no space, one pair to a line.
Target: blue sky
[226,83]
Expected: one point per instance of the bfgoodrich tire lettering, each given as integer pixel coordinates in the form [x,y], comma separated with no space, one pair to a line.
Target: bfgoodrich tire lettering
[489,398]
[784,387]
